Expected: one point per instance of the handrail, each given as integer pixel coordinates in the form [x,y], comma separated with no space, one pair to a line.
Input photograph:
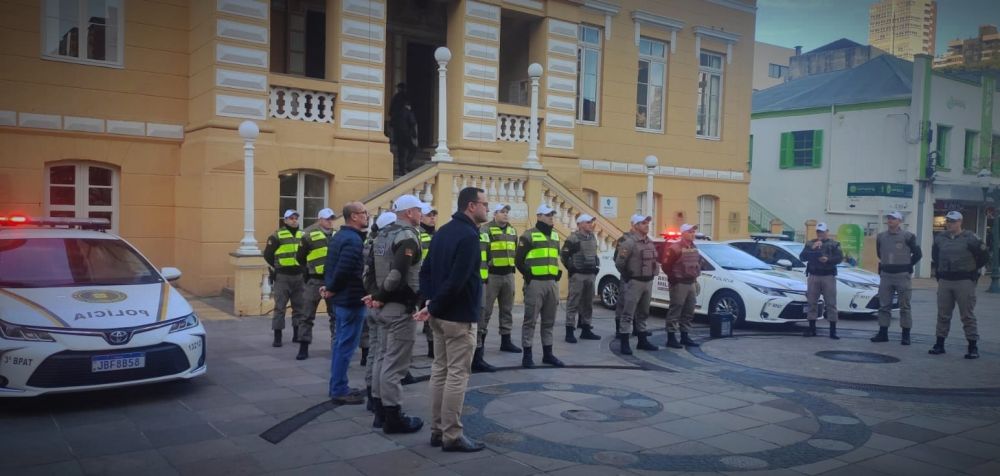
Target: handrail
[762,217]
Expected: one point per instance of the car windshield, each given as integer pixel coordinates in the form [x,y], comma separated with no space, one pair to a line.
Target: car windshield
[796,249]
[731,258]
[51,262]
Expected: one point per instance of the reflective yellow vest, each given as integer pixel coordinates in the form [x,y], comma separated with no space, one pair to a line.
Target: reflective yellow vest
[317,242]
[484,244]
[425,244]
[288,246]
[503,243]
[543,257]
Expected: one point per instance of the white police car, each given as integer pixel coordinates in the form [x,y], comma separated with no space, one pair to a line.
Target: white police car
[731,281]
[81,309]
[857,289]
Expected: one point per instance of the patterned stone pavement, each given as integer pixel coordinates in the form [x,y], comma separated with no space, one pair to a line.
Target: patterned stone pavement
[765,402]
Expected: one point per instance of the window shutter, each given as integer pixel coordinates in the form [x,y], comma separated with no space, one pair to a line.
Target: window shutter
[817,148]
[787,160]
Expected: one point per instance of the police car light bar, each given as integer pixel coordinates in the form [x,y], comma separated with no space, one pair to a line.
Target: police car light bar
[99,224]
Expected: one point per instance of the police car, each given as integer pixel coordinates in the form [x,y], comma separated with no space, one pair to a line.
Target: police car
[731,281]
[857,289]
[81,309]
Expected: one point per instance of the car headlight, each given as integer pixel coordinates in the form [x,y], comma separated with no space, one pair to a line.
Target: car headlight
[186,322]
[857,285]
[12,332]
[766,290]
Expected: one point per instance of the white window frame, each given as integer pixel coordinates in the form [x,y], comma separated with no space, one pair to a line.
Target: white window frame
[706,215]
[581,48]
[662,60]
[82,38]
[709,71]
[81,207]
[300,198]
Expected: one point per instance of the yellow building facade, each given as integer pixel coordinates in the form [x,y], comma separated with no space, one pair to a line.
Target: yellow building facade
[129,110]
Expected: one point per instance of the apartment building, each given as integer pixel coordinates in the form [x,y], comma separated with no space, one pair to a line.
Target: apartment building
[903,28]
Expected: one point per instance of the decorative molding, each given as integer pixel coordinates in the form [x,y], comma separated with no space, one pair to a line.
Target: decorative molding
[479,131]
[240,106]
[735,5]
[241,56]
[619,167]
[240,80]
[166,131]
[724,36]
[602,165]
[555,83]
[563,121]
[670,24]
[664,170]
[479,111]
[356,95]
[8,118]
[39,121]
[481,71]
[562,47]
[247,8]
[532,4]
[562,28]
[364,74]
[481,51]
[365,8]
[482,10]
[241,31]
[697,172]
[127,128]
[361,120]
[606,8]
[363,30]
[482,31]
[559,140]
[565,103]
[586,164]
[557,65]
[480,91]
[367,53]
[83,124]
[636,169]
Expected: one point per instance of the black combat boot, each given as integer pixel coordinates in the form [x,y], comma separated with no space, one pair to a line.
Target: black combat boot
[369,401]
[379,412]
[625,348]
[295,334]
[672,341]
[587,333]
[526,360]
[833,331]
[687,342]
[549,358]
[277,338]
[398,422]
[480,365]
[644,344]
[938,347]
[973,350]
[811,331]
[364,356]
[507,346]
[906,337]
[882,336]
[570,337]
[303,351]
[407,379]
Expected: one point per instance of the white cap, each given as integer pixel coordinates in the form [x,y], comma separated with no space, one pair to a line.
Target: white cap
[500,206]
[544,209]
[289,213]
[896,215]
[427,209]
[688,227]
[640,218]
[821,226]
[385,219]
[583,218]
[326,213]
[953,215]
[406,202]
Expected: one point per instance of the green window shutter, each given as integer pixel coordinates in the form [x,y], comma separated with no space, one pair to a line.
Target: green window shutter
[787,151]
[817,149]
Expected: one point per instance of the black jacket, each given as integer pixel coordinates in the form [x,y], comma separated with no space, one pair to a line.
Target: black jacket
[449,276]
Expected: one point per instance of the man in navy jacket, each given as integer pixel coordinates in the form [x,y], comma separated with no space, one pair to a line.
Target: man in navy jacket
[343,290]
[450,279]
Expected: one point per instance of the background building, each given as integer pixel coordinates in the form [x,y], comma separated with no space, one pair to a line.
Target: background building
[770,64]
[982,51]
[903,27]
[834,56]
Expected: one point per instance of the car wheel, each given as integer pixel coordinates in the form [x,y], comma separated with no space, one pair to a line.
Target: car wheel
[728,301]
[609,290]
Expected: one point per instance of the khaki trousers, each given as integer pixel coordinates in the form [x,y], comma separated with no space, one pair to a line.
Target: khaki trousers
[370,330]
[541,297]
[311,299]
[499,287]
[580,301]
[396,328]
[454,343]
[683,298]
[825,286]
[901,285]
[635,310]
[287,288]
[963,293]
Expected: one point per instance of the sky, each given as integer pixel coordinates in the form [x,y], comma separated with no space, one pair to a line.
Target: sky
[814,23]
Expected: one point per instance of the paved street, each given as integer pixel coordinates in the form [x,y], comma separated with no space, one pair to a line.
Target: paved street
[765,402]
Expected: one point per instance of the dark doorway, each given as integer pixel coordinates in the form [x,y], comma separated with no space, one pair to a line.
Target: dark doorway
[421,86]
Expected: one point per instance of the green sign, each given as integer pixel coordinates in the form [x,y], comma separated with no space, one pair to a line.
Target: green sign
[851,238]
[879,189]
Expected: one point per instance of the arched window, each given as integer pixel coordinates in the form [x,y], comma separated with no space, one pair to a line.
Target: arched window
[82,190]
[305,191]
[707,205]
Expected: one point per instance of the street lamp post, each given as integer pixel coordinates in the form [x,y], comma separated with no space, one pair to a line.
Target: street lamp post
[442,55]
[651,164]
[248,245]
[993,194]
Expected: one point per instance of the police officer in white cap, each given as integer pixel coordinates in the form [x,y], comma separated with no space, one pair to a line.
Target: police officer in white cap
[579,256]
[312,252]
[281,253]
[956,257]
[822,255]
[538,261]
[898,252]
[637,264]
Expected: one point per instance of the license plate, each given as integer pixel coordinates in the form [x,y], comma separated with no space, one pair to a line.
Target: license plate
[110,363]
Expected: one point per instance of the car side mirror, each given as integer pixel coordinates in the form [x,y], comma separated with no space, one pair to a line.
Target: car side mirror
[784,263]
[171,274]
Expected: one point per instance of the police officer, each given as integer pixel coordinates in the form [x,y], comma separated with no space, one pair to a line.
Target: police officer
[537,259]
[427,226]
[579,256]
[682,264]
[280,254]
[898,252]
[369,332]
[312,252]
[636,263]
[500,285]
[956,257]
[478,363]
[396,260]
[822,255]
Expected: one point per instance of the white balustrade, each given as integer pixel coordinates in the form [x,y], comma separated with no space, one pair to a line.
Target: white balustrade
[512,128]
[301,104]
